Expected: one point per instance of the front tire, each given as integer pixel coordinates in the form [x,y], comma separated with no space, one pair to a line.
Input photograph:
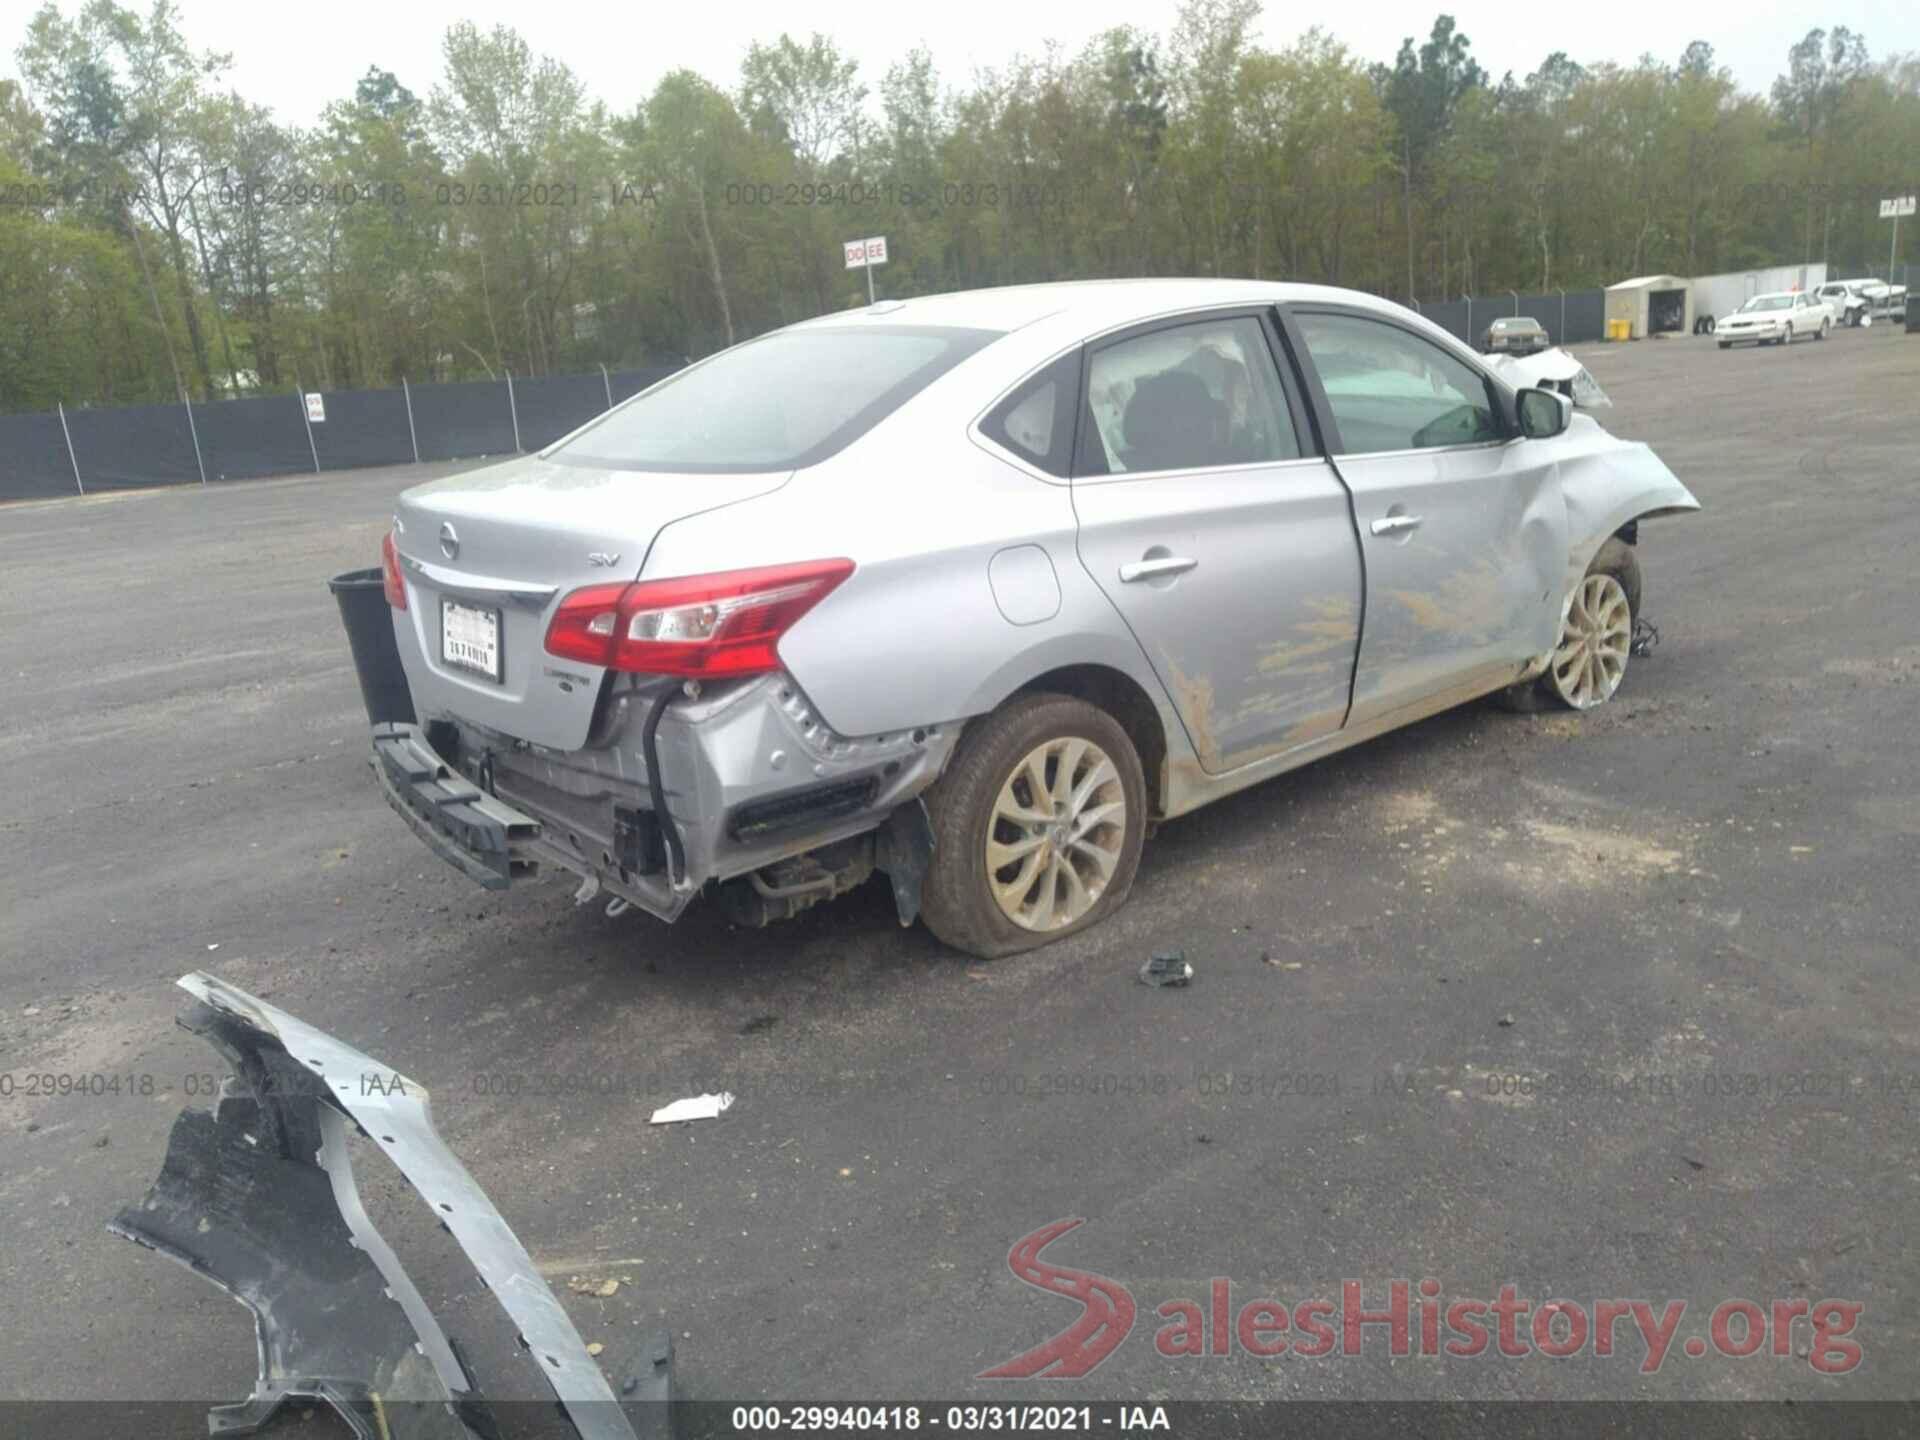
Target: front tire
[1037,824]
[1786,339]
[1824,324]
[1596,639]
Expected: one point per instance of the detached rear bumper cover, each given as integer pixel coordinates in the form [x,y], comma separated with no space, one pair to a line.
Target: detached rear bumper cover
[259,1198]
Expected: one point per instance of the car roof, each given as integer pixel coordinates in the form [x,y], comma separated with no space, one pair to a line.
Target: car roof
[1093,305]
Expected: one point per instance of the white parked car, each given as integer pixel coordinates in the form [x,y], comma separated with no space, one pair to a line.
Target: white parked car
[1861,302]
[1777,319]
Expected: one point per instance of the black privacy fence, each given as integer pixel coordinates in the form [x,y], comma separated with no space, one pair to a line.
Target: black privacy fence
[128,447]
[1571,317]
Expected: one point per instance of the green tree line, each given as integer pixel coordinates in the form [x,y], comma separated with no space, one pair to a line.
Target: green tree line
[162,233]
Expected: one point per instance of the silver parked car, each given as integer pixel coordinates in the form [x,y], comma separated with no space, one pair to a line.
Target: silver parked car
[971,590]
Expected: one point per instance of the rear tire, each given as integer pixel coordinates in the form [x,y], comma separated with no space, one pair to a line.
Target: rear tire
[1053,787]
[1726,344]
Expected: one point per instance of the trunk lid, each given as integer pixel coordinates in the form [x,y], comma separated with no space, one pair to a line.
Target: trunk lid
[510,541]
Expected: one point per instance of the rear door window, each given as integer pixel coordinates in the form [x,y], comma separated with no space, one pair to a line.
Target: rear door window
[1036,421]
[777,403]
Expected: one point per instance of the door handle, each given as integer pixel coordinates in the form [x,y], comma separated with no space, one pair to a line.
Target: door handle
[1394,524]
[1136,570]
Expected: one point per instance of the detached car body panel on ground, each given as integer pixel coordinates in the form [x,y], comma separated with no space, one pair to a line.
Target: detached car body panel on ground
[259,1197]
[733,633]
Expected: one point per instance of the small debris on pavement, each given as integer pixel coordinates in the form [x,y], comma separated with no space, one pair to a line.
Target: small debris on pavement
[1646,635]
[103,1142]
[594,1347]
[587,1285]
[694,1107]
[1169,969]
[1505,1022]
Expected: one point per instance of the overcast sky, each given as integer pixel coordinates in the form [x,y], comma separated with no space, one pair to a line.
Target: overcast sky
[296,55]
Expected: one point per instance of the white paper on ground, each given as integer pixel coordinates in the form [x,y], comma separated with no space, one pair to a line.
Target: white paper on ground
[694,1107]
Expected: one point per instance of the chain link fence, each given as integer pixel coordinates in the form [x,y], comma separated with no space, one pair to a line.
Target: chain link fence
[1571,317]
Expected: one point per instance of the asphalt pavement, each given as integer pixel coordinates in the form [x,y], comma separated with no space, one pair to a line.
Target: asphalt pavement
[1614,1005]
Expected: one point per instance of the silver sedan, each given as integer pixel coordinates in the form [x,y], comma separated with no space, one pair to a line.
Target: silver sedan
[970,590]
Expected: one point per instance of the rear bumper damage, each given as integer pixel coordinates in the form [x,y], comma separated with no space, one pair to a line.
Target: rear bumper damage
[762,799]
[258,1196]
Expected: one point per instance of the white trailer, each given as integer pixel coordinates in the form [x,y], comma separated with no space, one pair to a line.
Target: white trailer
[1718,295]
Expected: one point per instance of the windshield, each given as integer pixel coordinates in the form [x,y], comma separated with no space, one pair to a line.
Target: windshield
[1769,302]
[787,400]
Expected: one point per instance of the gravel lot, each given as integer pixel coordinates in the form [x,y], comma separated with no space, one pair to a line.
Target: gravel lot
[1613,1005]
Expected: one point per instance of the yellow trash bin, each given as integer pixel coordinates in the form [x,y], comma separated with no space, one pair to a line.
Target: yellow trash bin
[1619,329]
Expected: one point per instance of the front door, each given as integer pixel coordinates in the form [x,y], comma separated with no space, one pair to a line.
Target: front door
[1227,547]
[1463,527]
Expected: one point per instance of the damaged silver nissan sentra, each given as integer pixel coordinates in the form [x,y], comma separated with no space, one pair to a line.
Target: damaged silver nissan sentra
[973,589]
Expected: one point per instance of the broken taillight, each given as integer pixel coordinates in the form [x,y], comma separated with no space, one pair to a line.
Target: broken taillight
[699,626]
[395,587]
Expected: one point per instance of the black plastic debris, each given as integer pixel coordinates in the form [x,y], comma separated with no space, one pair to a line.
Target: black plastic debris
[1646,635]
[1168,969]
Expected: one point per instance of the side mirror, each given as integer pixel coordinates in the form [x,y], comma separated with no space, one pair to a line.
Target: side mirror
[1544,413]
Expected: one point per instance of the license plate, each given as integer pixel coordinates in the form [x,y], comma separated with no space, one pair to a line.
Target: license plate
[470,638]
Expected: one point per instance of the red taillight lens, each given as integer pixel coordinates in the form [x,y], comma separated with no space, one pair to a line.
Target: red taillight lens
[395,587]
[700,626]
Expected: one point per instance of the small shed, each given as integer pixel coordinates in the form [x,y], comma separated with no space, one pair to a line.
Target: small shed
[1652,305]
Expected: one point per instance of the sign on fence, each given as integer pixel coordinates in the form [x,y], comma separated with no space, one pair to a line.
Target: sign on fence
[1896,208]
[316,408]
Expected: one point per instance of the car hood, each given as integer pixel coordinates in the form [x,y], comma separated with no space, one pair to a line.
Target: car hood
[1554,368]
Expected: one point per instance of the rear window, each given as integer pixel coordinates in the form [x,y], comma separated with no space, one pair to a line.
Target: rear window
[786,400]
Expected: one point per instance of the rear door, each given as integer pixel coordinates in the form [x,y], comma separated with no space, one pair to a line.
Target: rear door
[1462,525]
[1222,539]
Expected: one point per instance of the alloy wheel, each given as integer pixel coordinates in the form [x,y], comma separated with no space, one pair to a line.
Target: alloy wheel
[1058,828]
[1592,658]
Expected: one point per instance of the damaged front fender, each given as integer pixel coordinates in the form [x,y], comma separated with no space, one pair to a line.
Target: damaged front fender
[258,1197]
